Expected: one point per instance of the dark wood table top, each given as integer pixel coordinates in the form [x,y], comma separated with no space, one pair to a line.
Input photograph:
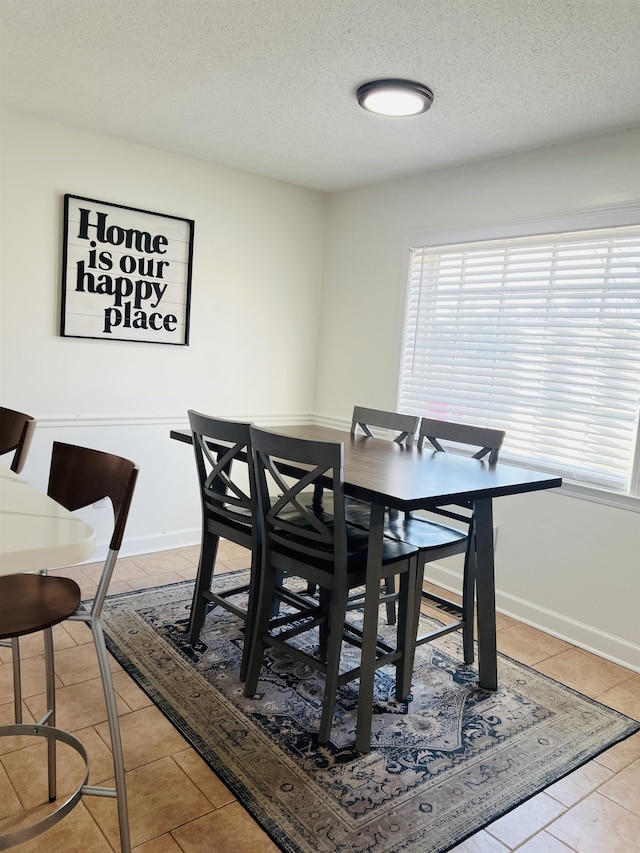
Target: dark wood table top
[407,478]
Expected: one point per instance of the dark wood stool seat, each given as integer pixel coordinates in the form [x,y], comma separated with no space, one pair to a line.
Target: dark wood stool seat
[30,603]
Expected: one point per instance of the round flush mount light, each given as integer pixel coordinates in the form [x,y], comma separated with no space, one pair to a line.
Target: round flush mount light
[395,97]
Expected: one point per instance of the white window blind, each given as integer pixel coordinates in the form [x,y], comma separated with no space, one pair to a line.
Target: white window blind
[539,336]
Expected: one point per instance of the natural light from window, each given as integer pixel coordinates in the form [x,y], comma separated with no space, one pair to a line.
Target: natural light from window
[539,336]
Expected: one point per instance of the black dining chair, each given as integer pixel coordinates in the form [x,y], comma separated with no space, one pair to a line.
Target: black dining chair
[319,547]
[222,451]
[32,602]
[435,540]
[16,432]
[406,426]
[366,421]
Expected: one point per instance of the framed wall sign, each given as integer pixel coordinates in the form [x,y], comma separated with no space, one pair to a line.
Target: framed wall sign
[126,273]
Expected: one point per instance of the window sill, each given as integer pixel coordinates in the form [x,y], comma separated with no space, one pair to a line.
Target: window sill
[571,489]
[579,490]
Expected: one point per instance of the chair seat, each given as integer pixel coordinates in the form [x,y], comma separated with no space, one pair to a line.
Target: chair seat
[241,526]
[426,535]
[393,550]
[30,603]
[417,531]
[357,512]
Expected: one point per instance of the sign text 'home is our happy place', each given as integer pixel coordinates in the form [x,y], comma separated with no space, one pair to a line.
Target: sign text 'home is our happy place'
[126,273]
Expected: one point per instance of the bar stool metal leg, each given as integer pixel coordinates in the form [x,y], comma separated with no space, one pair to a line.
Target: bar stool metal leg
[17,679]
[114,731]
[49,718]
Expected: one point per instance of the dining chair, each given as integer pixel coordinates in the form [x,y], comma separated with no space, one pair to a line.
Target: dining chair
[436,541]
[319,547]
[365,420]
[16,432]
[222,451]
[405,426]
[29,603]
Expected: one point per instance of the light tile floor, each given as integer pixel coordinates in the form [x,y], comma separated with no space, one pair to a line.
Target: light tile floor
[178,805]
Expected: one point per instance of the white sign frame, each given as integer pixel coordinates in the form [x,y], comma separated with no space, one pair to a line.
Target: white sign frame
[126,273]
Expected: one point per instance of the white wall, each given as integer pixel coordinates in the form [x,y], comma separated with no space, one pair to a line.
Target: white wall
[261,265]
[567,565]
[257,276]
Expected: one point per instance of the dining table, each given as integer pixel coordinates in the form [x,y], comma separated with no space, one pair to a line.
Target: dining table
[36,533]
[389,475]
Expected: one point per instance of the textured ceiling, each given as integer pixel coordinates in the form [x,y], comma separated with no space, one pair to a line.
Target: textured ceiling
[268,86]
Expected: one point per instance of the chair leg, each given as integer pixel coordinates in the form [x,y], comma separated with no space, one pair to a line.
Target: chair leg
[263,612]
[408,614]
[368,663]
[252,612]
[318,491]
[208,551]
[50,718]
[114,731]
[468,598]
[390,589]
[337,611]
[275,604]
[17,679]
[324,596]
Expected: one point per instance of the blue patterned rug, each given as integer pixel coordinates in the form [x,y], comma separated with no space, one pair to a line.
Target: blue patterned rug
[443,765]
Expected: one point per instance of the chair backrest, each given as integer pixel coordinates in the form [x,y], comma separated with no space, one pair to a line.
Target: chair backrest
[16,432]
[489,441]
[80,476]
[405,425]
[292,530]
[225,472]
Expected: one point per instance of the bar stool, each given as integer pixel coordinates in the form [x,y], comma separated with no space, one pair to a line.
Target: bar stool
[16,433]
[78,477]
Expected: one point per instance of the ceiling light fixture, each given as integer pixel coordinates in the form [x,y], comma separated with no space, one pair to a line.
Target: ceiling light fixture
[394,97]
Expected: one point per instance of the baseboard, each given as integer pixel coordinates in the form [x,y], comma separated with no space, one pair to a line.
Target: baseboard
[608,646]
[332,423]
[150,544]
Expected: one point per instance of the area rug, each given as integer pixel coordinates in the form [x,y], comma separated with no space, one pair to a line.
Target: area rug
[444,764]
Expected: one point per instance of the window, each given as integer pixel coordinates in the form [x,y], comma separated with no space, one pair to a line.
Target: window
[536,335]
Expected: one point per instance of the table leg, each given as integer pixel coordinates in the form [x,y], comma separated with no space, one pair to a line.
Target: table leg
[370,627]
[486,595]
